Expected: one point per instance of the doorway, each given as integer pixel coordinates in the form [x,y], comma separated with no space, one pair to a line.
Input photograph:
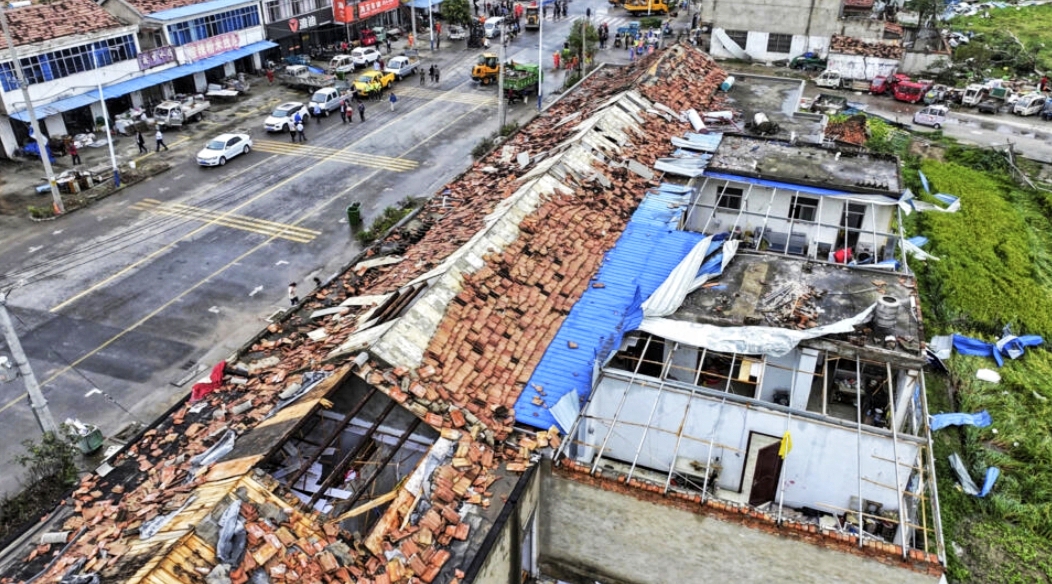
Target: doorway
[763,467]
[851,220]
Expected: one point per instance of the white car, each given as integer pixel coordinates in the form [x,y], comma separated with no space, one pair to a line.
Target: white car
[224,147]
[280,119]
[364,56]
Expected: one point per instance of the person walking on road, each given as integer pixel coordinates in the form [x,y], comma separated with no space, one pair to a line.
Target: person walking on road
[343,110]
[392,99]
[292,132]
[431,73]
[361,111]
[421,78]
[294,298]
[317,113]
[159,137]
[141,142]
[387,43]
[437,73]
[74,155]
[299,132]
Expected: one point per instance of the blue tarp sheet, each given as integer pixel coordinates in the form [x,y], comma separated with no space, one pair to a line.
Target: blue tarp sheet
[1009,345]
[980,420]
[645,254]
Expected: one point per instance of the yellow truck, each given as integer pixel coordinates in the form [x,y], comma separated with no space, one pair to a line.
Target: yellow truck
[646,7]
[372,82]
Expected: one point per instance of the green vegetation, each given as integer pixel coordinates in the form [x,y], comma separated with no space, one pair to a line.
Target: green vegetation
[385,221]
[995,269]
[1012,41]
[40,212]
[50,471]
[456,11]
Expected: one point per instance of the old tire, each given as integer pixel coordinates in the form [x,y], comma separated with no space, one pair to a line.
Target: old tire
[937,126]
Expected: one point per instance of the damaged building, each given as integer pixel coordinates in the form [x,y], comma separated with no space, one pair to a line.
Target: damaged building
[561,369]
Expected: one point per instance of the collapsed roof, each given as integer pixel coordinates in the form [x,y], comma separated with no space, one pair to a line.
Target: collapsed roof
[448,320]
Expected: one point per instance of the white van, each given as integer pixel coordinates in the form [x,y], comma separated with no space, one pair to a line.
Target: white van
[492,26]
[1028,105]
[932,115]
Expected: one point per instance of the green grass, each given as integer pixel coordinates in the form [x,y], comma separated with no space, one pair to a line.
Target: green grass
[1030,24]
[995,263]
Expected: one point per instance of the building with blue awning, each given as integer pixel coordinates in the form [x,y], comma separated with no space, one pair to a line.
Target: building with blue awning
[139,51]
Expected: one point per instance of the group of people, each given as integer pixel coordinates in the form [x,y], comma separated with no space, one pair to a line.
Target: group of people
[296,128]
[433,74]
[561,7]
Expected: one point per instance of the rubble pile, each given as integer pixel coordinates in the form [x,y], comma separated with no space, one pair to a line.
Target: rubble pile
[852,46]
[792,306]
[850,131]
[475,366]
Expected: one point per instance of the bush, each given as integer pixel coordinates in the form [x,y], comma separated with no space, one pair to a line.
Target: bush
[509,129]
[482,148]
[40,212]
[50,471]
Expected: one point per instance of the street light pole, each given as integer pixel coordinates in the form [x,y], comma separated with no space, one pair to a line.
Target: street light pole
[540,53]
[37,134]
[502,106]
[36,398]
[106,123]
[431,25]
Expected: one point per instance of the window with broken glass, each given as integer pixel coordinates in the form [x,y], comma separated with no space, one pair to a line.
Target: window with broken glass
[804,209]
[740,37]
[729,198]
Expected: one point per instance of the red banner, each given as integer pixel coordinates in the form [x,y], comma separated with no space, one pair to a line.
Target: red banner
[342,11]
[367,8]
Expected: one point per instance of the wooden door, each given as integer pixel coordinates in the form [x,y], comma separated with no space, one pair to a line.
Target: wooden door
[765,476]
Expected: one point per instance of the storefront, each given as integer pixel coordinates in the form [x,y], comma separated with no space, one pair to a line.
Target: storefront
[299,33]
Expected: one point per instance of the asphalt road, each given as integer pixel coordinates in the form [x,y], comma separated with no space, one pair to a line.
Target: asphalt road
[118,301]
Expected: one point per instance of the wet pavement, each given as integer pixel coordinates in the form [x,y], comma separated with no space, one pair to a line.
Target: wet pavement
[119,304]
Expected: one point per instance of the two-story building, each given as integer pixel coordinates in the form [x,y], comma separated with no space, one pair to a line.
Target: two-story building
[206,41]
[66,50]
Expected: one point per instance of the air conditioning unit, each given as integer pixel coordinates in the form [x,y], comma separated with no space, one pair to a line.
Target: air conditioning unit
[864,252]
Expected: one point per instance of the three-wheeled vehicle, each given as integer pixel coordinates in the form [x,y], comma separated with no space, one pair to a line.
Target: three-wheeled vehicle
[932,115]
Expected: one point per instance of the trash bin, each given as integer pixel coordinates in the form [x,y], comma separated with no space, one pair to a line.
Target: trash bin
[354,214]
[90,442]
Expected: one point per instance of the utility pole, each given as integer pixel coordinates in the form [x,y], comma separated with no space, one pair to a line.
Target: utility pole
[106,122]
[584,34]
[37,134]
[540,52]
[431,25]
[502,106]
[36,398]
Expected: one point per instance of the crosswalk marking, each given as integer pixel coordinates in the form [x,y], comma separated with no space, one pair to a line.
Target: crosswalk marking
[234,221]
[454,96]
[345,156]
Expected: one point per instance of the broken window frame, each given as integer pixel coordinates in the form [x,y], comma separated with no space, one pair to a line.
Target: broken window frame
[802,204]
[739,36]
[729,198]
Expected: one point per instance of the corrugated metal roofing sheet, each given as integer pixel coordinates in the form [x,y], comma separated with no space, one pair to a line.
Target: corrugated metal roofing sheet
[650,247]
[195,9]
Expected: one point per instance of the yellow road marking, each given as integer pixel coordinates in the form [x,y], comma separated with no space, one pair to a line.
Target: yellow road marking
[242,222]
[349,157]
[222,269]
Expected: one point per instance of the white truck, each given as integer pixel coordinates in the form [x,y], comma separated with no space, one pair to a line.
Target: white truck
[973,94]
[403,65]
[341,64]
[854,71]
[173,114]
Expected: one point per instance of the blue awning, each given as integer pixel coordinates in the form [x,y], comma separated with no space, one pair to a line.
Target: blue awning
[195,9]
[142,82]
[423,4]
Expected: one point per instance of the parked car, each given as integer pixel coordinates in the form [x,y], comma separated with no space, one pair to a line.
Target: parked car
[364,56]
[457,32]
[1029,104]
[224,147]
[280,120]
[1046,112]
[933,115]
[328,99]
[341,64]
[492,26]
[989,106]
[367,38]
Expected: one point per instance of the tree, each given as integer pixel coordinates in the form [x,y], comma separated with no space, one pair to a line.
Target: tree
[574,41]
[456,11]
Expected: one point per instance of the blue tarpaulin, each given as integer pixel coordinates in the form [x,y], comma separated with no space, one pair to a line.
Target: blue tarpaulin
[1009,345]
[981,420]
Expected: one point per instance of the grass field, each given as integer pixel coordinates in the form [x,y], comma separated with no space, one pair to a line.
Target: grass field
[995,269]
[1030,25]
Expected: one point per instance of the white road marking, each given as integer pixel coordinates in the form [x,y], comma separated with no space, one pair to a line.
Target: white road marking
[214,310]
[255,291]
[281,263]
[93,392]
[57,232]
[36,248]
[177,177]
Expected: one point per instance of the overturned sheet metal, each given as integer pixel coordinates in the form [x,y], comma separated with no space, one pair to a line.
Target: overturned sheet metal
[746,340]
[686,277]
[699,142]
[691,167]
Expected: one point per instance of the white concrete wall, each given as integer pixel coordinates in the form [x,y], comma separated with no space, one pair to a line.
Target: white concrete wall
[245,37]
[914,63]
[859,67]
[877,217]
[821,472]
